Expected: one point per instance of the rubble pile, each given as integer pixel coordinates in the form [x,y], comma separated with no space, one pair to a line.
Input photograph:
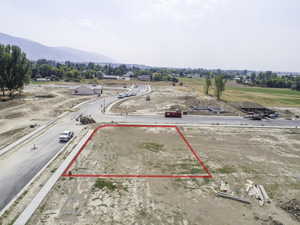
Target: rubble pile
[292,207]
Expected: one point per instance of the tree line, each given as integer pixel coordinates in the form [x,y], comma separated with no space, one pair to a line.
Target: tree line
[70,71]
[272,80]
[15,69]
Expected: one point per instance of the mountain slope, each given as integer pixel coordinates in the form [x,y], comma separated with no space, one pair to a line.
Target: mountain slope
[35,51]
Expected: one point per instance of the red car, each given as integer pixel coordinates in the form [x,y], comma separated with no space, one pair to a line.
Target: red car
[173,114]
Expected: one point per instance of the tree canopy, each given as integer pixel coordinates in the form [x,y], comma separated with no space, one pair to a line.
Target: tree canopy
[14,69]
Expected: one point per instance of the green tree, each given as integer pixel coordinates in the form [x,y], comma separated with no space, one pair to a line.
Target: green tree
[14,69]
[207,84]
[220,83]
[253,78]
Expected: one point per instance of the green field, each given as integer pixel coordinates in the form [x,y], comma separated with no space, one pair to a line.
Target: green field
[239,93]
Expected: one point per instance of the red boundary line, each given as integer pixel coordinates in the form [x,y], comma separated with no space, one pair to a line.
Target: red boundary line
[66,174]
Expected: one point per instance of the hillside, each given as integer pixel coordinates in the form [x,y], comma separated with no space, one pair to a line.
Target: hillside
[35,51]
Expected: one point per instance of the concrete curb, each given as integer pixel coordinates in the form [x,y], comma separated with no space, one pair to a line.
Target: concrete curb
[118,101]
[31,135]
[35,177]
[25,138]
[211,125]
[37,200]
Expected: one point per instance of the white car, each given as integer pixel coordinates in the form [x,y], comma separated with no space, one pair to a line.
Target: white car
[66,136]
[121,96]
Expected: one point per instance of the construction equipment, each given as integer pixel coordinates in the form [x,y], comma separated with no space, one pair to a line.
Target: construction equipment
[86,120]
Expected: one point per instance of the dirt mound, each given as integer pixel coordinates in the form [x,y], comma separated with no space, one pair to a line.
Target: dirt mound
[239,105]
[293,208]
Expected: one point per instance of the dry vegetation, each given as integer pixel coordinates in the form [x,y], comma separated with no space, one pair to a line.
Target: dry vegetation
[167,97]
[232,154]
[271,97]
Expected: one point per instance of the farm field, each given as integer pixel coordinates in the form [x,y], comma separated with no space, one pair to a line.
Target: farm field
[271,97]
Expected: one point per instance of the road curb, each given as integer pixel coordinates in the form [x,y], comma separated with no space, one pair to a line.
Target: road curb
[118,101]
[37,200]
[31,135]
[212,125]
[35,177]
[26,138]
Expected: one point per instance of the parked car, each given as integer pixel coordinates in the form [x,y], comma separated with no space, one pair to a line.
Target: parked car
[66,136]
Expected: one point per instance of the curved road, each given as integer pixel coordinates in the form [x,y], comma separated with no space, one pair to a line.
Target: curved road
[21,164]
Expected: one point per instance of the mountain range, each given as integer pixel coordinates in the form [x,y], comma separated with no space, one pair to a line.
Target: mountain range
[35,51]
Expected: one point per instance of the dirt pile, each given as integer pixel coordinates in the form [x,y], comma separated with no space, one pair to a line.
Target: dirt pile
[293,208]
[239,105]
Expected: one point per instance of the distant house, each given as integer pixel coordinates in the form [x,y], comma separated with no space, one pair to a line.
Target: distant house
[87,90]
[145,77]
[129,74]
[111,77]
[42,79]
[125,78]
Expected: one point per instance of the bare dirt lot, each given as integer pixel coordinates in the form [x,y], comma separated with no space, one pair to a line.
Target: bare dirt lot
[164,98]
[268,157]
[143,152]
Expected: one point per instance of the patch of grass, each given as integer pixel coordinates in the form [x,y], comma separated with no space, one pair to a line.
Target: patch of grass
[248,170]
[295,186]
[226,169]
[272,91]
[272,189]
[104,183]
[153,147]
[196,170]
[190,168]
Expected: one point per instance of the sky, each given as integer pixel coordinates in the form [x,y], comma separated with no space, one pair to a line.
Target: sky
[226,34]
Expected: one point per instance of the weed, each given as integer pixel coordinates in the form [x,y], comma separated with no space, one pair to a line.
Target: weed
[248,170]
[153,147]
[226,169]
[272,189]
[103,183]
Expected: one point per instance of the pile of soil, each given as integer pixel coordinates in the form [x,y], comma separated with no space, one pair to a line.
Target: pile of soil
[193,101]
[293,208]
[239,105]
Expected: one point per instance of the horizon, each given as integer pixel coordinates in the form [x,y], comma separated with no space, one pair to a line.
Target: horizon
[210,34]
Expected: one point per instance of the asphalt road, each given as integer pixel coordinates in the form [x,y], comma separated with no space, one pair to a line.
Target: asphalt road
[205,120]
[19,166]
